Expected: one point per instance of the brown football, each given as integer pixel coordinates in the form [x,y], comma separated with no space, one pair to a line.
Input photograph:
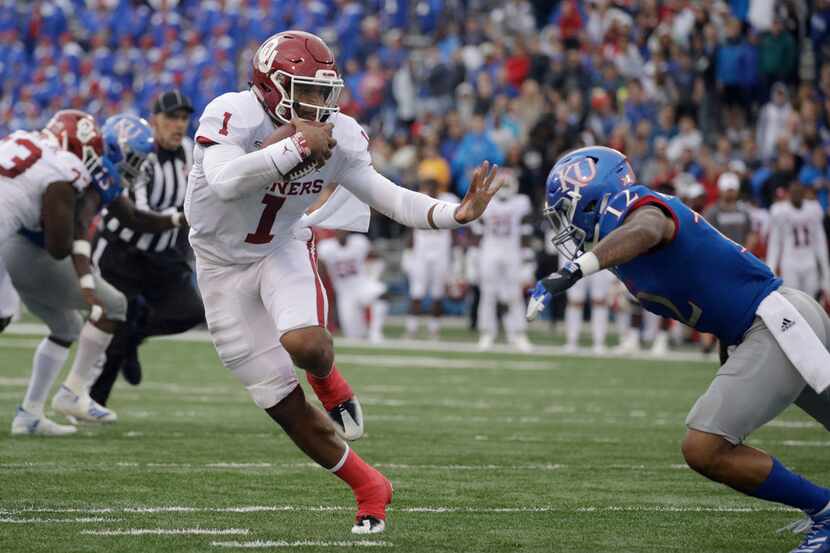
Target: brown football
[304,168]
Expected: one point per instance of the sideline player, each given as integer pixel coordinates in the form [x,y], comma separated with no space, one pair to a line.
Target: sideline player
[429,268]
[264,302]
[500,261]
[680,267]
[797,247]
[344,258]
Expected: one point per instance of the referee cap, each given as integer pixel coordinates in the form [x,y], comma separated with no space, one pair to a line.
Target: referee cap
[170,101]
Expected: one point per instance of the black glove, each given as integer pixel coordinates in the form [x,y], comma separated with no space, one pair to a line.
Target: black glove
[563,279]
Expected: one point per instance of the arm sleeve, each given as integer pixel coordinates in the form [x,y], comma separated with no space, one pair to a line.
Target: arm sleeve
[404,206]
[139,190]
[232,173]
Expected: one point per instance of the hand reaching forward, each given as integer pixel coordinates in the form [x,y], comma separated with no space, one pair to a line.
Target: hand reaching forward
[479,194]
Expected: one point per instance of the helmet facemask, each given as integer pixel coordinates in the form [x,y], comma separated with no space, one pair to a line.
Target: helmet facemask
[323,90]
[569,238]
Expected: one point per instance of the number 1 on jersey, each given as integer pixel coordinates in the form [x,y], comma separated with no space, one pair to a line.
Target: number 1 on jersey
[263,235]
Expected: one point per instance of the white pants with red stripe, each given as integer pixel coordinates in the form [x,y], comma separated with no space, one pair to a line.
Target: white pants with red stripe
[249,307]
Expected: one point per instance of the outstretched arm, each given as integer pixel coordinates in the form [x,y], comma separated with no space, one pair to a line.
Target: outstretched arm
[643,230]
[143,221]
[414,209]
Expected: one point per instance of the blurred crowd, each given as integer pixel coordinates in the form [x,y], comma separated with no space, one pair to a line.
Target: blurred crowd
[682,87]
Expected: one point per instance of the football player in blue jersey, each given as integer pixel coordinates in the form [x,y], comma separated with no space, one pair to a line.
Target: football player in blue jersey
[774,339]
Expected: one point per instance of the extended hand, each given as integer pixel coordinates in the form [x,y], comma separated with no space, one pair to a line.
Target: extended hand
[479,194]
[553,285]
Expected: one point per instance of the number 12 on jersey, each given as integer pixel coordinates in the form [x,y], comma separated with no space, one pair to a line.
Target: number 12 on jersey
[263,235]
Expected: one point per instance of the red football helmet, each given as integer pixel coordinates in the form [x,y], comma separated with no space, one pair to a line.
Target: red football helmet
[77,132]
[295,75]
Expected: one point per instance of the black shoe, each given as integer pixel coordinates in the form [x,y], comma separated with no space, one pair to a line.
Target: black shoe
[100,390]
[368,525]
[348,419]
[131,367]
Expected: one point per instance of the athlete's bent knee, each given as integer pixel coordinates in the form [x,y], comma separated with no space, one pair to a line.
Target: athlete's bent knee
[310,348]
[704,452]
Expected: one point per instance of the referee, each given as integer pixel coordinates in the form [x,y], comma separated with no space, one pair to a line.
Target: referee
[152,270]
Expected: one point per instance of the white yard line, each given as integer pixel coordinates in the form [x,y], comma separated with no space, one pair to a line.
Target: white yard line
[79,520]
[465,467]
[201,336]
[422,509]
[169,532]
[270,543]
[435,362]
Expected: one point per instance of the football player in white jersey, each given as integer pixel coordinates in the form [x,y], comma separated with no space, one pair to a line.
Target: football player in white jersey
[429,268]
[264,301]
[43,175]
[58,290]
[500,259]
[797,248]
[345,260]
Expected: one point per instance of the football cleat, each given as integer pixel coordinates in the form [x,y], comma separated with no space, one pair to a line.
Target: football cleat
[368,525]
[629,345]
[348,419]
[485,342]
[817,539]
[27,424]
[81,407]
[521,343]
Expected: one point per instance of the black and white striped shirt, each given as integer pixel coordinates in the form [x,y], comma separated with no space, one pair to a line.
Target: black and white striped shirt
[162,190]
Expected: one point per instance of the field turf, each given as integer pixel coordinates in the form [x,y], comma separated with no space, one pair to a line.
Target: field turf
[487,453]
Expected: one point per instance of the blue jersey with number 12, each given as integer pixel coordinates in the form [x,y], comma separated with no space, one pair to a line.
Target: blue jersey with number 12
[700,277]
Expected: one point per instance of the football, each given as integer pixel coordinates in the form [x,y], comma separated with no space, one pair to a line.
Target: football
[302,169]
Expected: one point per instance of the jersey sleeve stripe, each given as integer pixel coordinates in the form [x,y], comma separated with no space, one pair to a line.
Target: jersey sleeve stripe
[205,141]
[321,319]
[657,202]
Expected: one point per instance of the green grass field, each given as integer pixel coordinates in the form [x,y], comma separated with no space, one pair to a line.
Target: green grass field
[494,452]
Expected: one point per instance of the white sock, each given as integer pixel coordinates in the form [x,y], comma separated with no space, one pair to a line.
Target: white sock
[47,363]
[379,309]
[92,344]
[651,326]
[411,324]
[623,320]
[434,325]
[599,324]
[573,320]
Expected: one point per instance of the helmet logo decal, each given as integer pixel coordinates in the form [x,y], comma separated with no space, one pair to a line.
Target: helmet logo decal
[266,54]
[85,130]
[126,130]
[579,174]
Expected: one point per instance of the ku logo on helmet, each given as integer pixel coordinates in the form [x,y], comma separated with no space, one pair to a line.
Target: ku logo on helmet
[578,174]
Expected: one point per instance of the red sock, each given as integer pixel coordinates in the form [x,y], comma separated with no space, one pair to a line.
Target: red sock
[371,488]
[332,389]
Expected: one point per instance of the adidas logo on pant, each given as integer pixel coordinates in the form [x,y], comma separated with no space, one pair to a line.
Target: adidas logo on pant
[787,324]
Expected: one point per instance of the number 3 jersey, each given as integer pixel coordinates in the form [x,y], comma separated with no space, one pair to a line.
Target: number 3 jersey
[29,163]
[700,277]
[250,227]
